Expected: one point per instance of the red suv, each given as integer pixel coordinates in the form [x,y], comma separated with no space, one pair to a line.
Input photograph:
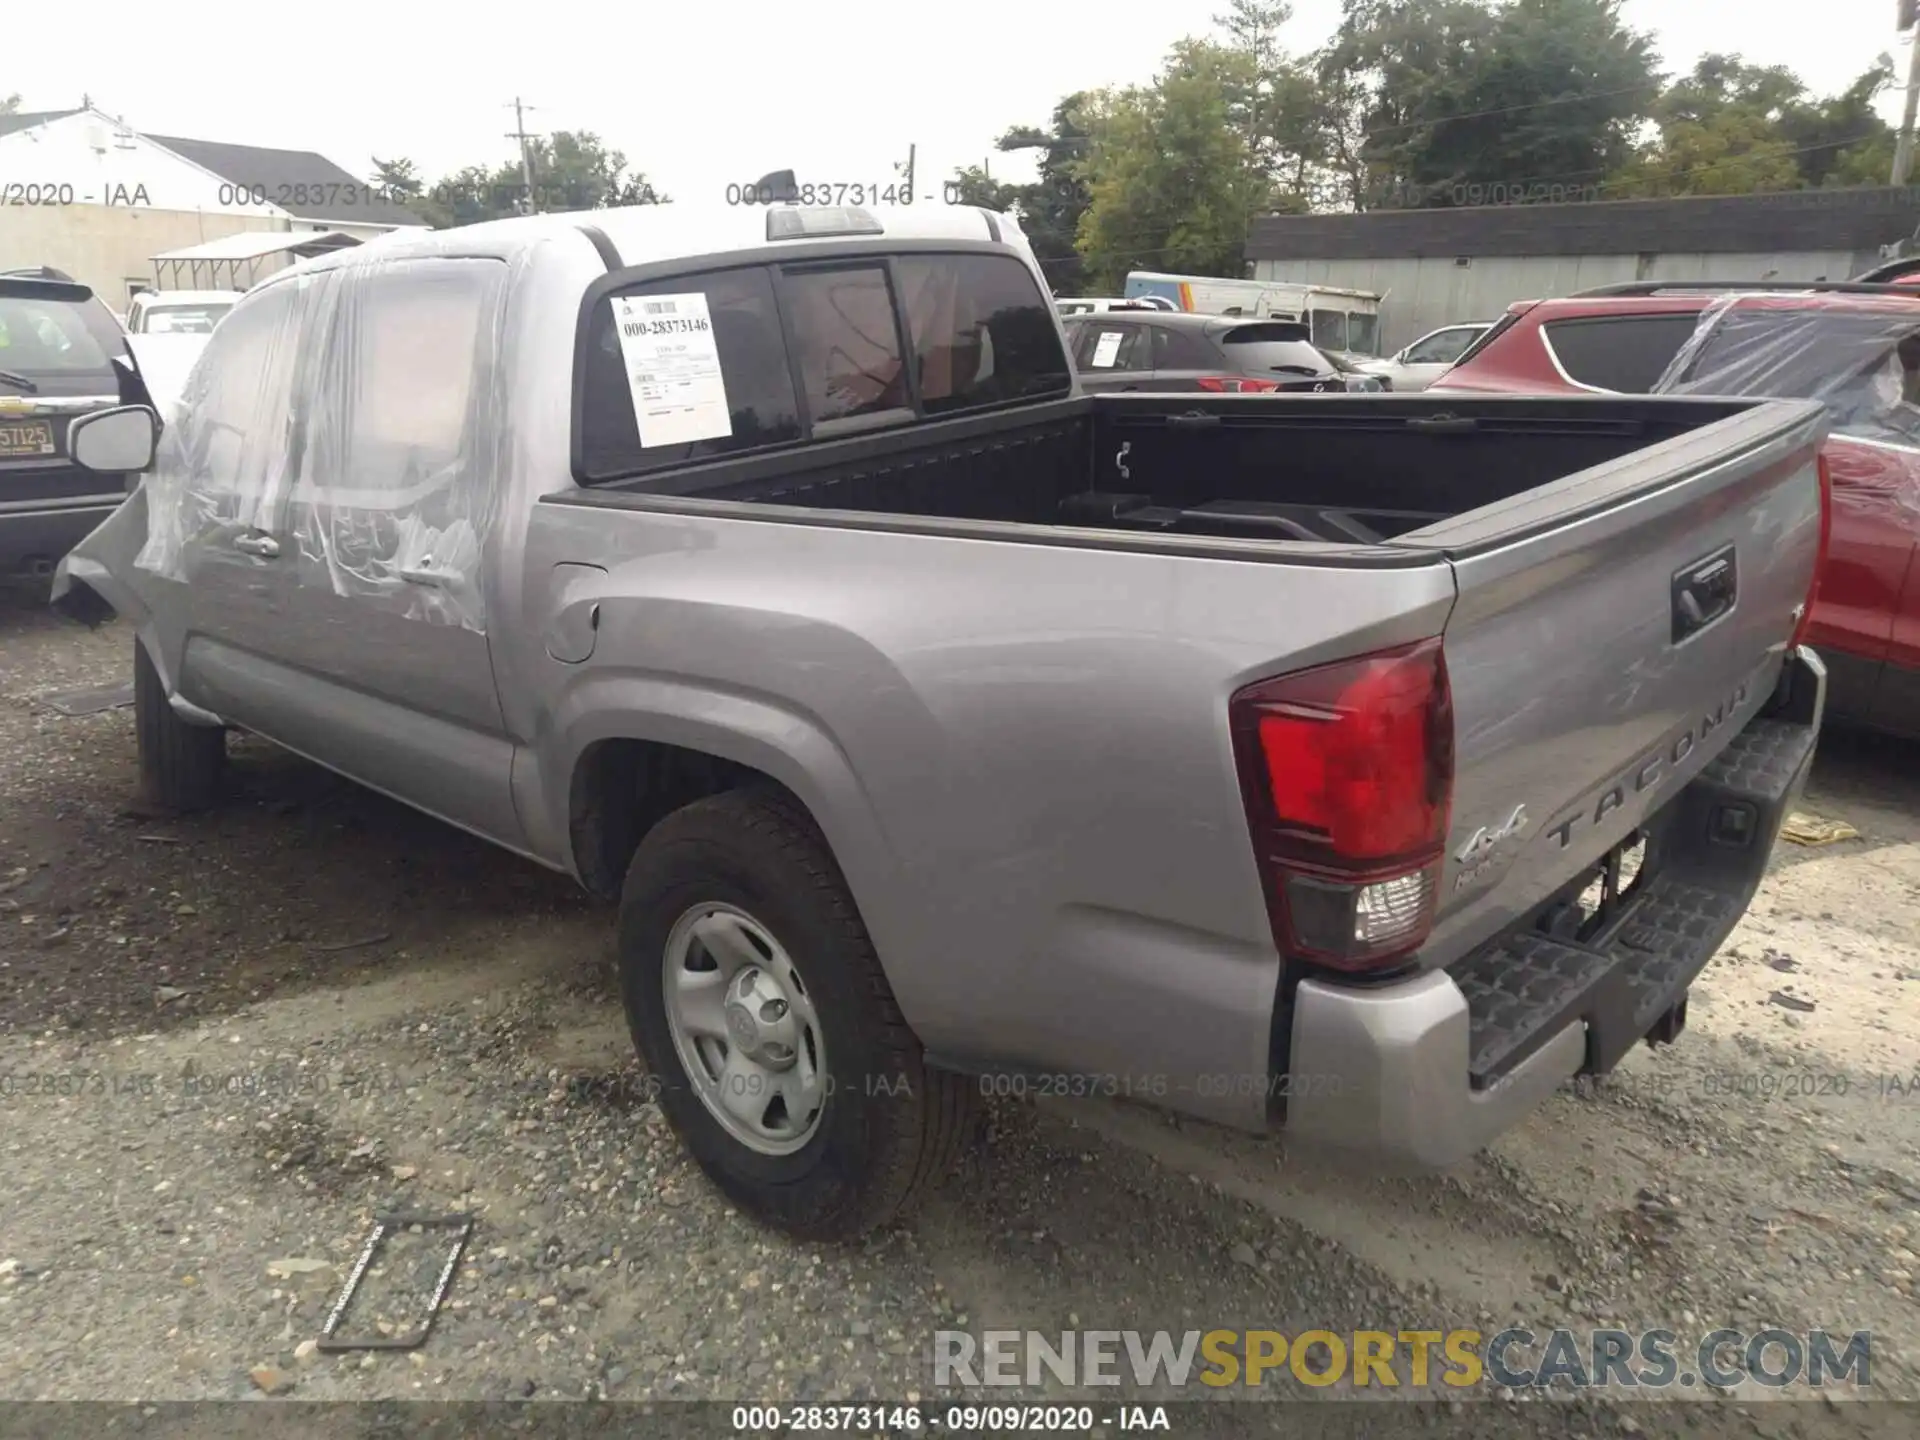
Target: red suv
[1854,346]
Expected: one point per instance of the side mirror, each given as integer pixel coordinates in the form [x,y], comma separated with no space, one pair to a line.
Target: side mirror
[114,442]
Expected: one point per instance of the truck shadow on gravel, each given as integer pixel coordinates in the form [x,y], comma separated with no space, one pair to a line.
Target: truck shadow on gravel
[299,879]
[113,920]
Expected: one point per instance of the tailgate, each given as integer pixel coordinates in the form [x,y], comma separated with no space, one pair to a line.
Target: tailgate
[1613,632]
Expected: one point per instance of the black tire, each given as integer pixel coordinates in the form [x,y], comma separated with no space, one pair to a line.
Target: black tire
[181,765]
[892,1127]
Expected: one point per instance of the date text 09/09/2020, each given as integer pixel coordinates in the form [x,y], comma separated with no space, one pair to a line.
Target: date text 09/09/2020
[913,1418]
[846,192]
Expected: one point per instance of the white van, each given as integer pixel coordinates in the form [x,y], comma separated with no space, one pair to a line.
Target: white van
[1099,305]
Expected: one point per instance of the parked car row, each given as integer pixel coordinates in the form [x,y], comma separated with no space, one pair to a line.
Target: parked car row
[1172,351]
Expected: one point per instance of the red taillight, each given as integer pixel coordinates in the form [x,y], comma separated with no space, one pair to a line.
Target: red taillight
[1820,561]
[1348,775]
[1235,384]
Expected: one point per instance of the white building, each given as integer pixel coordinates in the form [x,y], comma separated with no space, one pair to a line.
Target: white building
[88,195]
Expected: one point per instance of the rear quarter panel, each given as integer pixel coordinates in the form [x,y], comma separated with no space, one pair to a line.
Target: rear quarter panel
[1019,753]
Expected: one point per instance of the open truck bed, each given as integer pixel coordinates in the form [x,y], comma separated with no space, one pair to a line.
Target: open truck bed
[1340,470]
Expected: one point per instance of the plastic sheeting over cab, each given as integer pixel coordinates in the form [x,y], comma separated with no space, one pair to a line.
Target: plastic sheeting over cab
[356,410]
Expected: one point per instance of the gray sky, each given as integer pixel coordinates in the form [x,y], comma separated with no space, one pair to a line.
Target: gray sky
[700,95]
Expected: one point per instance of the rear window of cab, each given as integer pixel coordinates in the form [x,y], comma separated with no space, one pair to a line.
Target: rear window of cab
[730,361]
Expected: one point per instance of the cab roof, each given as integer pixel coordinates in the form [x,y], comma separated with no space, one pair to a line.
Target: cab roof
[649,234]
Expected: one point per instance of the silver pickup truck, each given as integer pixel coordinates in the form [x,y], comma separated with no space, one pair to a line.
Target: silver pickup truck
[1359,766]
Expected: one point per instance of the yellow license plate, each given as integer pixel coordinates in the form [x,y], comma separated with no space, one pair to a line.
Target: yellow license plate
[26,437]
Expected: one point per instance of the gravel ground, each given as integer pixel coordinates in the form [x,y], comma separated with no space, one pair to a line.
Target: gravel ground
[314,1003]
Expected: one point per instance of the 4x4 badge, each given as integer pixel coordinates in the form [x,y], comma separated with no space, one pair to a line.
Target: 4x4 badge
[1486,837]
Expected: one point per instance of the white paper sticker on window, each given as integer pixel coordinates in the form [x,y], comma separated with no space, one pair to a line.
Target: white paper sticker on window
[1107,347]
[679,394]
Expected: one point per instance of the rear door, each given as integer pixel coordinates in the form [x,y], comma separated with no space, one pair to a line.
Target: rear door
[1182,354]
[383,667]
[1876,514]
[1114,355]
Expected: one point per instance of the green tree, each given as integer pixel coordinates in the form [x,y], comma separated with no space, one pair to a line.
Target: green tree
[1728,128]
[572,170]
[1172,181]
[1524,99]
[1252,27]
[1733,152]
[397,177]
[1842,140]
[973,185]
[1050,208]
[9,105]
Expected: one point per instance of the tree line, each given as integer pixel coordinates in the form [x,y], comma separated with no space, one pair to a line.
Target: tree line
[569,170]
[1410,104]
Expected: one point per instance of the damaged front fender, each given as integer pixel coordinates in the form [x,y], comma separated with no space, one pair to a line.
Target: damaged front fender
[89,584]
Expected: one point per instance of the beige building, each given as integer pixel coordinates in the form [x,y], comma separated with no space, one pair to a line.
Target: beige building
[84,193]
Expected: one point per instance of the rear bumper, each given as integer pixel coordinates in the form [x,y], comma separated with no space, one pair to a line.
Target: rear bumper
[1425,1072]
[44,531]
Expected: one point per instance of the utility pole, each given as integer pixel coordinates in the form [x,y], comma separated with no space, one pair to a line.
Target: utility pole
[906,172]
[519,132]
[1903,152]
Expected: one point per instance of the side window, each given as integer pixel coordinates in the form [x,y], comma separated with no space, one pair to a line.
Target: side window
[225,457]
[1329,329]
[1119,347]
[401,431]
[847,346]
[980,332]
[1441,348]
[1180,350]
[1626,353]
[744,382]
[1078,340]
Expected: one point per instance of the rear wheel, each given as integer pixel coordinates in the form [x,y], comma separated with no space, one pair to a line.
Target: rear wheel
[754,994]
[181,765]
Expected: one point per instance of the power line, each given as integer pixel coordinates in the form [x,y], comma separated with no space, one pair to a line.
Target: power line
[519,132]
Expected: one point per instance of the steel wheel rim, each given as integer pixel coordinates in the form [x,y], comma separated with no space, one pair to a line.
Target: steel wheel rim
[745,1029]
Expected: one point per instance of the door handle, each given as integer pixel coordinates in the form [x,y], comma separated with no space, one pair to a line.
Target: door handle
[265,546]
